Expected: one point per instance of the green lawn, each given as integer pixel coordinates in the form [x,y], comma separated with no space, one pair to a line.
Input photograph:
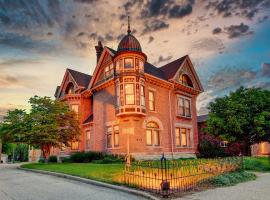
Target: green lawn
[260,164]
[111,173]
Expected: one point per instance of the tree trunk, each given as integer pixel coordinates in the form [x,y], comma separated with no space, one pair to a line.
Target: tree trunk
[46,151]
[247,148]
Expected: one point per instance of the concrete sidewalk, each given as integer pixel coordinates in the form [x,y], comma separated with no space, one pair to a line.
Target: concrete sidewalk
[258,189]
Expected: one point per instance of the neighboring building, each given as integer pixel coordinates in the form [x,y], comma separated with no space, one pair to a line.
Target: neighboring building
[261,149]
[130,105]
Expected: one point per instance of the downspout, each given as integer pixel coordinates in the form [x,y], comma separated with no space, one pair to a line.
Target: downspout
[171,126]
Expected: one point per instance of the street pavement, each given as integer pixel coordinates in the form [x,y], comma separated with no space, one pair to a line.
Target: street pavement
[258,189]
[16,184]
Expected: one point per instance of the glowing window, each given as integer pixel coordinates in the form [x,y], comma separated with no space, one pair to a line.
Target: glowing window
[128,63]
[129,94]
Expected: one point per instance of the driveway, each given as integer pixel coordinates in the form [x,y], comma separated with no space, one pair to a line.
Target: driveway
[20,185]
[258,189]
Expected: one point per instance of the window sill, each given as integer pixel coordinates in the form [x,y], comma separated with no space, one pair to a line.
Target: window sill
[184,117]
[178,147]
[153,111]
[153,146]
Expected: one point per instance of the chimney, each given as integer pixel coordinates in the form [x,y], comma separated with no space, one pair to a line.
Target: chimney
[99,49]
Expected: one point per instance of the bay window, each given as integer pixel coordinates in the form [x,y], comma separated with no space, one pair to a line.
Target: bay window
[128,63]
[129,94]
[117,95]
[142,94]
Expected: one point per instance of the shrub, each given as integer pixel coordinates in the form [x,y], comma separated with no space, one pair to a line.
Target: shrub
[209,149]
[84,157]
[52,159]
[232,178]
[66,160]
[41,160]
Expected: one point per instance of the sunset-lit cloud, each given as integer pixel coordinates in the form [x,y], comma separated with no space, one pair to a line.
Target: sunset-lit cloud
[228,41]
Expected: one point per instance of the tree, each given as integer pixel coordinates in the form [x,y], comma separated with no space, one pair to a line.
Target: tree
[50,123]
[243,116]
[53,124]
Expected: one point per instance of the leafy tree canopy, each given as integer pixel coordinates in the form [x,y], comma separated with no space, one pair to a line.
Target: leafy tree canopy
[242,116]
[50,123]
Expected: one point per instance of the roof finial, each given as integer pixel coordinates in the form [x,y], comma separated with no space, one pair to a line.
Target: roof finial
[128,31]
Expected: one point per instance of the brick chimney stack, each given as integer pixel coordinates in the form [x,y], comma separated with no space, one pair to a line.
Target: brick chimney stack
[99,49]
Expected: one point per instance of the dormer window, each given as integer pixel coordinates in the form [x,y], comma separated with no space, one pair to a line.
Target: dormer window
[70,88]
[185,80]
[128,63]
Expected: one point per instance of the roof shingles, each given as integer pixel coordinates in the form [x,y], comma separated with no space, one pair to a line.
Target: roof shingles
[81,79]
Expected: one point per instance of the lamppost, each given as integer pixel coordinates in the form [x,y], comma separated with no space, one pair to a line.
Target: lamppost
[128,131]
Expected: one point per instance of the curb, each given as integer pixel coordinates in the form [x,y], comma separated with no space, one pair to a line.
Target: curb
[93,182]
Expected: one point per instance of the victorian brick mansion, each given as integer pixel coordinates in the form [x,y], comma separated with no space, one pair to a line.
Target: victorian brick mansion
[130,106]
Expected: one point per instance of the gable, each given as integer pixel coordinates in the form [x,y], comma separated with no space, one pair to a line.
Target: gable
[187,68]
[105,59]
[67,79]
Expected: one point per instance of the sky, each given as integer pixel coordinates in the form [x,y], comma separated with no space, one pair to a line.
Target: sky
[228,41]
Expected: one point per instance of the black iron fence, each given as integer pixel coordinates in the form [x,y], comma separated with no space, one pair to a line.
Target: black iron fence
[166,177]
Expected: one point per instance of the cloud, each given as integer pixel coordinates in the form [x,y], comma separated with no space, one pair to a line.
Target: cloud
[154,25]
[85,1]
[235,31]
[230,77]
[151,38]
[15,62]
[25,42]
[203,101]
[217,30]
[247,8]
[178,11]
[266,69]
[208,44]
[162,59]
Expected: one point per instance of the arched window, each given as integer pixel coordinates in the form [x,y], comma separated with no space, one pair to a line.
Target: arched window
[70,88]
[185,80]
[152,134]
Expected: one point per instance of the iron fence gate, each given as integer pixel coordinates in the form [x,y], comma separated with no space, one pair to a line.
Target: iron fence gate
[166,177]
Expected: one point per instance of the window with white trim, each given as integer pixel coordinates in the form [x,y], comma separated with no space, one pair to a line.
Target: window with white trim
[75,108]
[112,136]
[182,137]
[142,94]
[129,94]
[75,145]
[117,95]
[128,63]
[151,98]
[223,144]
[152,134]
[87,139]
[184,106]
